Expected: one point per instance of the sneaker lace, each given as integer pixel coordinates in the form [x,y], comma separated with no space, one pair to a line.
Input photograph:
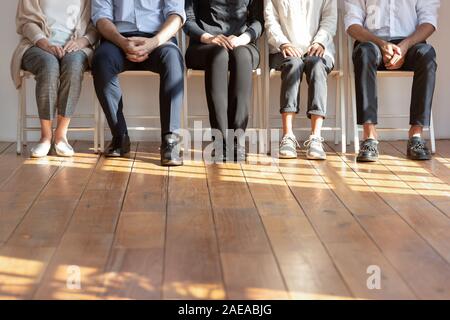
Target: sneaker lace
[287,139]
[310,141]
[420,146]
[368,147]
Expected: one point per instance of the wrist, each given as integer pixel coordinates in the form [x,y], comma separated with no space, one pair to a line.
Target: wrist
[156,40]
[44,44]
[406,44]
[206,37]
[122,42]
[381,43]
[318,43]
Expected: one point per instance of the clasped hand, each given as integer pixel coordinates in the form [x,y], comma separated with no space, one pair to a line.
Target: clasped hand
[394,55]
[138,49]
[227,42]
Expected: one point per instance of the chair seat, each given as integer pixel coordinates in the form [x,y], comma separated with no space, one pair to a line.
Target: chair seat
[138,73]
[334,73]
[395,74]
[200,73]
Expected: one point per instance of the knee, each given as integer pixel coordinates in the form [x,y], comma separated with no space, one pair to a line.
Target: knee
[74,66]
[426,55]
[242,55]
[365,52]
[171,56]
[49,68]
[219,55]
[292,64]
[315,63]
[103,61]
[315,67]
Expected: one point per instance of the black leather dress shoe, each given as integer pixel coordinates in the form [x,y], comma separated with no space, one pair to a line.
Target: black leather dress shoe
[368,151]
[119,147]
[418,150]
[171,151]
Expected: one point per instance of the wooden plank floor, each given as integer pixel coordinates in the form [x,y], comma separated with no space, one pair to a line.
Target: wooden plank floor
[131,229]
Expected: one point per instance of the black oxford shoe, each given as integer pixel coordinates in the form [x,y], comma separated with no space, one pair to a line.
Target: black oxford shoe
[119,147]
[418,150]
[368,151]
[171,151]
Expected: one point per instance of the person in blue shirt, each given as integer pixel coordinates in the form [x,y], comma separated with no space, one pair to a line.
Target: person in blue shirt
[140,35]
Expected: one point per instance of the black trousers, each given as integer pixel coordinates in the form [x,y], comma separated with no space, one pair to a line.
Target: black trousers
[421,58]
[167,60]
[228,98]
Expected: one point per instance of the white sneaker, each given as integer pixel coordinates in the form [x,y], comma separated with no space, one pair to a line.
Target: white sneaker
[64,149]
[314,148]
[41,150]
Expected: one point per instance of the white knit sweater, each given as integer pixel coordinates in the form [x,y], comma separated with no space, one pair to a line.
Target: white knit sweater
[301,23]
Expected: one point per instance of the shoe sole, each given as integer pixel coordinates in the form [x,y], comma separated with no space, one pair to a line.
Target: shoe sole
[64,155]
[315,157]
[366,160]
[38,157]
[116,156]
[419,158]
[287,157]
[171,163]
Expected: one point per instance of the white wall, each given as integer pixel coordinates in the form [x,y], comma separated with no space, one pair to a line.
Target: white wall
[141,96]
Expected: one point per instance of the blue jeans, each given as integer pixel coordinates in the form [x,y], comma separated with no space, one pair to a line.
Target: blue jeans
[58,81]
[166,60]
[292,69]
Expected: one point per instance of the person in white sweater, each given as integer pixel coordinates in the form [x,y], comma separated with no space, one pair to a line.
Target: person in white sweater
[301,40]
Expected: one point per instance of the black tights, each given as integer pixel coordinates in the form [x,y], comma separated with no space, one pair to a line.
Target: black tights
[228,99]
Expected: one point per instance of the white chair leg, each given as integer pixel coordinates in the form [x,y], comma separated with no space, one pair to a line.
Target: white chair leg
[343,111]
[185,124]
[24,133]
[337,114]
[261,111]
[101,128]
[19,121]
[254,101]
[432,135]
[96,124]
[354,113]
[260,108]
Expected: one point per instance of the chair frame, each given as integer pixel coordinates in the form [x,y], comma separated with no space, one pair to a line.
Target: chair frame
[380,74]
[23,117]
[338,74]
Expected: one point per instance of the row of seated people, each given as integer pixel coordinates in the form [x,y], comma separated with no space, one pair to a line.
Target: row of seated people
[61,39]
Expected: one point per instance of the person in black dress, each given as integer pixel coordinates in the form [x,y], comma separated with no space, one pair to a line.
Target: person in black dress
[223,35]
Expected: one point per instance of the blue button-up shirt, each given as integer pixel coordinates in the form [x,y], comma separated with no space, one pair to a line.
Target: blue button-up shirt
[137,15]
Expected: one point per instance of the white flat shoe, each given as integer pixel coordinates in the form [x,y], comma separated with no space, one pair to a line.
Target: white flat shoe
[41,150]
[64,149]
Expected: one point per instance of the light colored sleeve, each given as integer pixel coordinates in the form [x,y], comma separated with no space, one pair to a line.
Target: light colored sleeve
[427,11]
[102,9]
[275,35]
[328,24]
[28,21]
[172,7]
[355,13]
[90,33]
